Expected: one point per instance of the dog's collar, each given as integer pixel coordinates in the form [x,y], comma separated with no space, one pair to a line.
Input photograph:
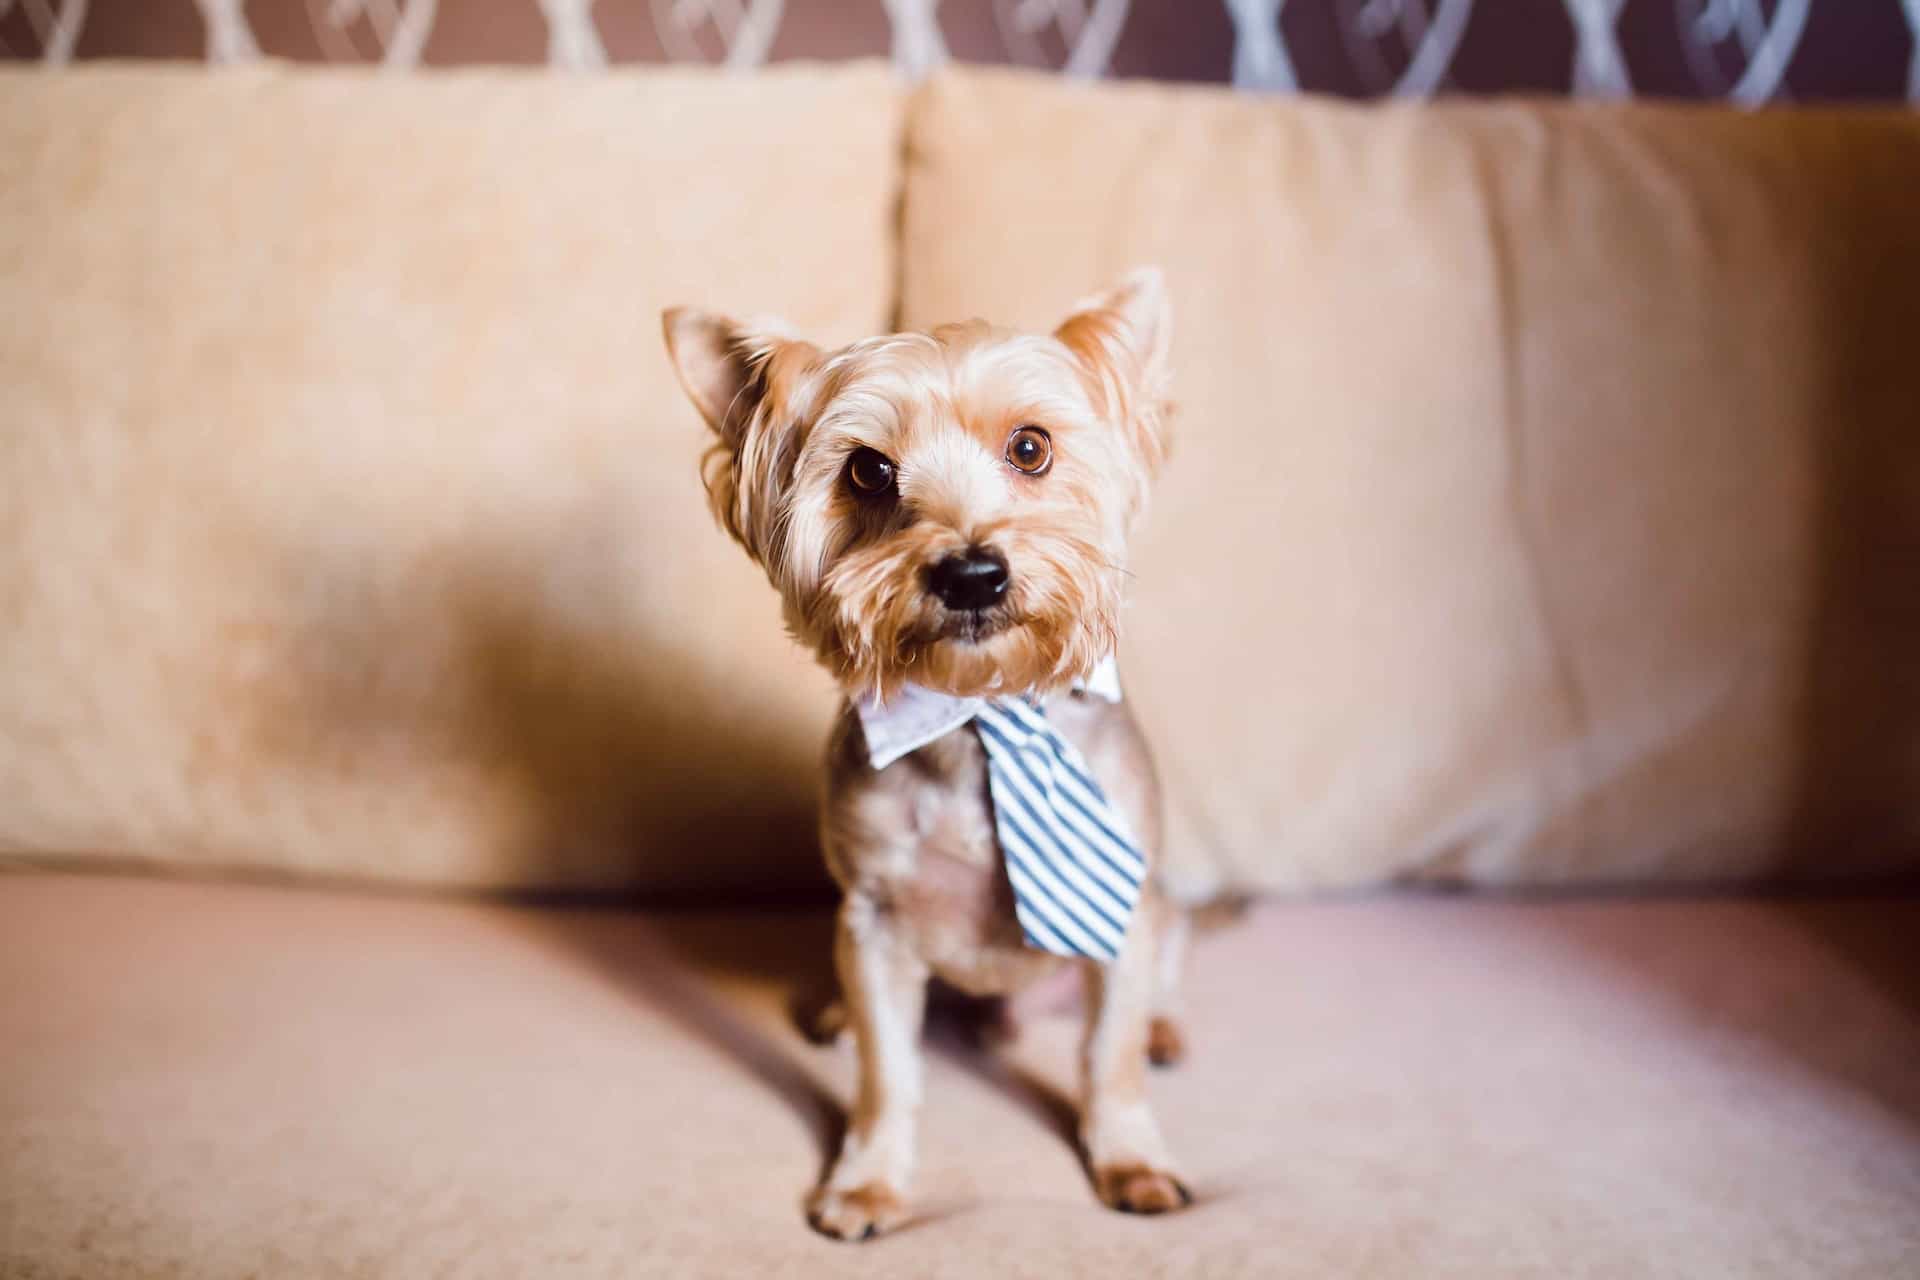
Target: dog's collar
[915,716]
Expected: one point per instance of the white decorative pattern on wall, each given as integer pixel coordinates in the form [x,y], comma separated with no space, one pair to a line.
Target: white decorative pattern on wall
[1912,10]
[573,42]
[1767,44]
[1599,68]
[399,28]
[742,29]
[918,46]
[229,38]
[1089,31]
[1433,37]
[1749,52]
[55,26]
[1260,58]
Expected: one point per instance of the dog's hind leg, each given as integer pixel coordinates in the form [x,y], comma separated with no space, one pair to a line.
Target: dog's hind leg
[1166,1042]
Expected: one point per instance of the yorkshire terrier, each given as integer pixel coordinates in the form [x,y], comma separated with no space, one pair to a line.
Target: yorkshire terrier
[945,516]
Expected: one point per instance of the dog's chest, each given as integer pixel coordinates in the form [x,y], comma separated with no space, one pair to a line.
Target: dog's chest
[919,839]
[949,885]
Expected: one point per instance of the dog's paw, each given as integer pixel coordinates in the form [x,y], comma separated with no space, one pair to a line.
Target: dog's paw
[859,1213]
[1140,1188]
[1166,1044]
[822,1023]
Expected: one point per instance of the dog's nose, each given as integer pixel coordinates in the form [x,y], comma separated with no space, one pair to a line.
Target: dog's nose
[973,579]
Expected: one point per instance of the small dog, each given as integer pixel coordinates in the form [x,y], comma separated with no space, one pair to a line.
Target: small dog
[945,516]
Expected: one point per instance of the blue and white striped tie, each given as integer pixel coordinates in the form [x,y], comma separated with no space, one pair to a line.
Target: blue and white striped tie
[1075,873]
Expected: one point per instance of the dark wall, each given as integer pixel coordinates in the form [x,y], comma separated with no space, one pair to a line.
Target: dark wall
[1837,49]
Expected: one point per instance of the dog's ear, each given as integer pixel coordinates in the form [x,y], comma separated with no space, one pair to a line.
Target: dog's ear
[1122,338]
[1131,323]
[724,365]
[745,380]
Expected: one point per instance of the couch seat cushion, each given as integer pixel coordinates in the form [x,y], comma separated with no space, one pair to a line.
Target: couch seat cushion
[222,1081]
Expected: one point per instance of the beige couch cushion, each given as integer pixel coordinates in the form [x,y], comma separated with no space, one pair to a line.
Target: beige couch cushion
[1545,503]
[1545,508]
[349,513]
[219,1082]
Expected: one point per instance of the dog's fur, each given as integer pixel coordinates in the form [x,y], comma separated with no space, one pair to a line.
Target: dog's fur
[912,845]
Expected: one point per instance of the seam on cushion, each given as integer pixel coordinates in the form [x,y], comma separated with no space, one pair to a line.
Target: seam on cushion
[912,105]
[934,95]
[1527,530]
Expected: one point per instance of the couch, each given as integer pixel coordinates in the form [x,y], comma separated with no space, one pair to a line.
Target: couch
[405,792]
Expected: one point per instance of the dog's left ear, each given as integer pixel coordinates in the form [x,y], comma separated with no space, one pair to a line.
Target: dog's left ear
[743,379]
[727,368]
[1122,338]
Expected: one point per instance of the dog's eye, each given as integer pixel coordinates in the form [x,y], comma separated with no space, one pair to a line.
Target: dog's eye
[1030,451]
[870,472]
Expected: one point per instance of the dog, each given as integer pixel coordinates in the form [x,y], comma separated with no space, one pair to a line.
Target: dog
[945,515]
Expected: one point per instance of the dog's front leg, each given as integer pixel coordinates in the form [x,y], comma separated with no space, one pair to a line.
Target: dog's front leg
[1126,1155]
[884,983]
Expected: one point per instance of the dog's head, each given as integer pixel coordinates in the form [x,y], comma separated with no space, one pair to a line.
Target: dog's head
[949,508]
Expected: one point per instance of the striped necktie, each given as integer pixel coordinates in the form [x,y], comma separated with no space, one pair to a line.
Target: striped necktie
[1075,874]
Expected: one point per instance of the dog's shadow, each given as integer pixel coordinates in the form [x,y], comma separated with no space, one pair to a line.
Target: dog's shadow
[602,746]
[677,963]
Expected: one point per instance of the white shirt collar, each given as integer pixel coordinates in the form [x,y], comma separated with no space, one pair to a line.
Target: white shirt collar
[915,715]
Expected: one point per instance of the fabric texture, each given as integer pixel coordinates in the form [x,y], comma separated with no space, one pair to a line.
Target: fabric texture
[225,1081]
[350,513]
[1543,509]
[1075,870]
[1545,489]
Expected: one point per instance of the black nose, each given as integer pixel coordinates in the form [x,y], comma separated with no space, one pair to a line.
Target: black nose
[973,579]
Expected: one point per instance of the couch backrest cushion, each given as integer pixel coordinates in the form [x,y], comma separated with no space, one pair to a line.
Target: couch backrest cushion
[350,518]
[1545,502]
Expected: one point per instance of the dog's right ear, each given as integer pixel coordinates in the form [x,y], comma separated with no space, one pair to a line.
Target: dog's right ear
[743,379]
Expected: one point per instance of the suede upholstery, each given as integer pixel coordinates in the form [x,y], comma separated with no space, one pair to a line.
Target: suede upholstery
[222,1081]
[1544,505]
[1545,497]
[352,517]
[1544,509]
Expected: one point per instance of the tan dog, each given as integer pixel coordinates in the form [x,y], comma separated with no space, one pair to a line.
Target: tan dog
[950,511]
